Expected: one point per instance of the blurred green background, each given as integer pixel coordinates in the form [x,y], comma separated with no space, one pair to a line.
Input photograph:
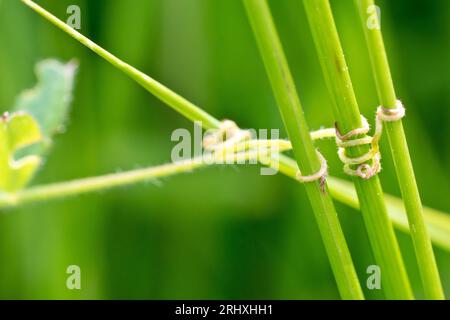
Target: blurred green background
[217,233]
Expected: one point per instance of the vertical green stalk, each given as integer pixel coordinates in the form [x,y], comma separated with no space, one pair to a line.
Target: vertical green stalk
[402,159]
[306,155]
[345,107]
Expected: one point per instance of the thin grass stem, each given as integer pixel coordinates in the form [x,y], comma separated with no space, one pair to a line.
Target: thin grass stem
[438,222]
[308,161]
[172,99]
[400,153]
[346,111]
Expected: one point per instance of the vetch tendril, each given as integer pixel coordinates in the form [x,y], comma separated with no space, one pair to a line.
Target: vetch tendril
[363,170]
[227,135]
[391,114]
[321,174]
[365,166]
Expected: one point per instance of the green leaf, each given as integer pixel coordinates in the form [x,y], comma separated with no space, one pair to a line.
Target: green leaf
[17,131]
[49,101]
[22,171]
[39,113]
[23,130]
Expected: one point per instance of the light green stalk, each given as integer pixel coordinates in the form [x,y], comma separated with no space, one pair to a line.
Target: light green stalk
[81,186]
[379,228]
[400,154]
[438,223]
[308,161]
[160,91]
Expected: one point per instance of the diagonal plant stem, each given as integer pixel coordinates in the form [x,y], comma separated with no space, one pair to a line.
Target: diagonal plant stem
[307,158]
[438,223]
[333,237]
[163,93]
[402,159]
[81,186]
[379,228]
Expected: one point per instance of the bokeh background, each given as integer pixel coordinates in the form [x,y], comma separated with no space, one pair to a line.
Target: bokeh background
[223,232]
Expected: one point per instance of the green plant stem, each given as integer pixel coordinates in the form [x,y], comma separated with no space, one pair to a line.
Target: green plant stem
[438,223]
[166,95]
[289,104]
[379,228]
[402,160]
[81,186]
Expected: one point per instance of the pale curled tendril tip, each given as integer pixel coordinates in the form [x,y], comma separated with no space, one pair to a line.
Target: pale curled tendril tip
[321,174]
[226,135]
[363,170]
[391,114]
